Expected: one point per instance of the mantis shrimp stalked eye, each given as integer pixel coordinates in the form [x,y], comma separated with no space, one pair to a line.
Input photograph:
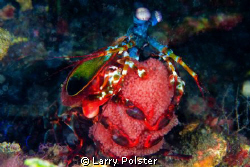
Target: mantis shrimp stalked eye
[143,14]
[158,16]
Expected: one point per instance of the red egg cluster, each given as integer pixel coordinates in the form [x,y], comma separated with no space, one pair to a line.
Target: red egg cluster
[123,130]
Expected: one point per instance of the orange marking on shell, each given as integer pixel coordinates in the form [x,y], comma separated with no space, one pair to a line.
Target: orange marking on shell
[126,66]
[164,50]
[171,77]
[119,40]
[179,60]
[105,82]
[116,77]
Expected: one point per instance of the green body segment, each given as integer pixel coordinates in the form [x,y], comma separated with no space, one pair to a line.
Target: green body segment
[84,73]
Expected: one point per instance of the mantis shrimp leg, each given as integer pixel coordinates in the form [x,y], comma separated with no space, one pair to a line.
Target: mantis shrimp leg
[176,81]
[166,53]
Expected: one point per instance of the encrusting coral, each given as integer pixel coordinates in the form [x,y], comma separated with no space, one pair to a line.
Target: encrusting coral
[5,42]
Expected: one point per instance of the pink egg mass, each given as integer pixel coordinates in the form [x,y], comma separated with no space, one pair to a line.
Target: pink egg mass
[120,134]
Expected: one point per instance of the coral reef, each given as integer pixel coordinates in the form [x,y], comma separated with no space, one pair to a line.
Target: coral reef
[7,12]
[13,161]
[207,148]
[53,152]
[25,4]
[5,42]
[239,152]
[11,155]
[9,148]
[193,26]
